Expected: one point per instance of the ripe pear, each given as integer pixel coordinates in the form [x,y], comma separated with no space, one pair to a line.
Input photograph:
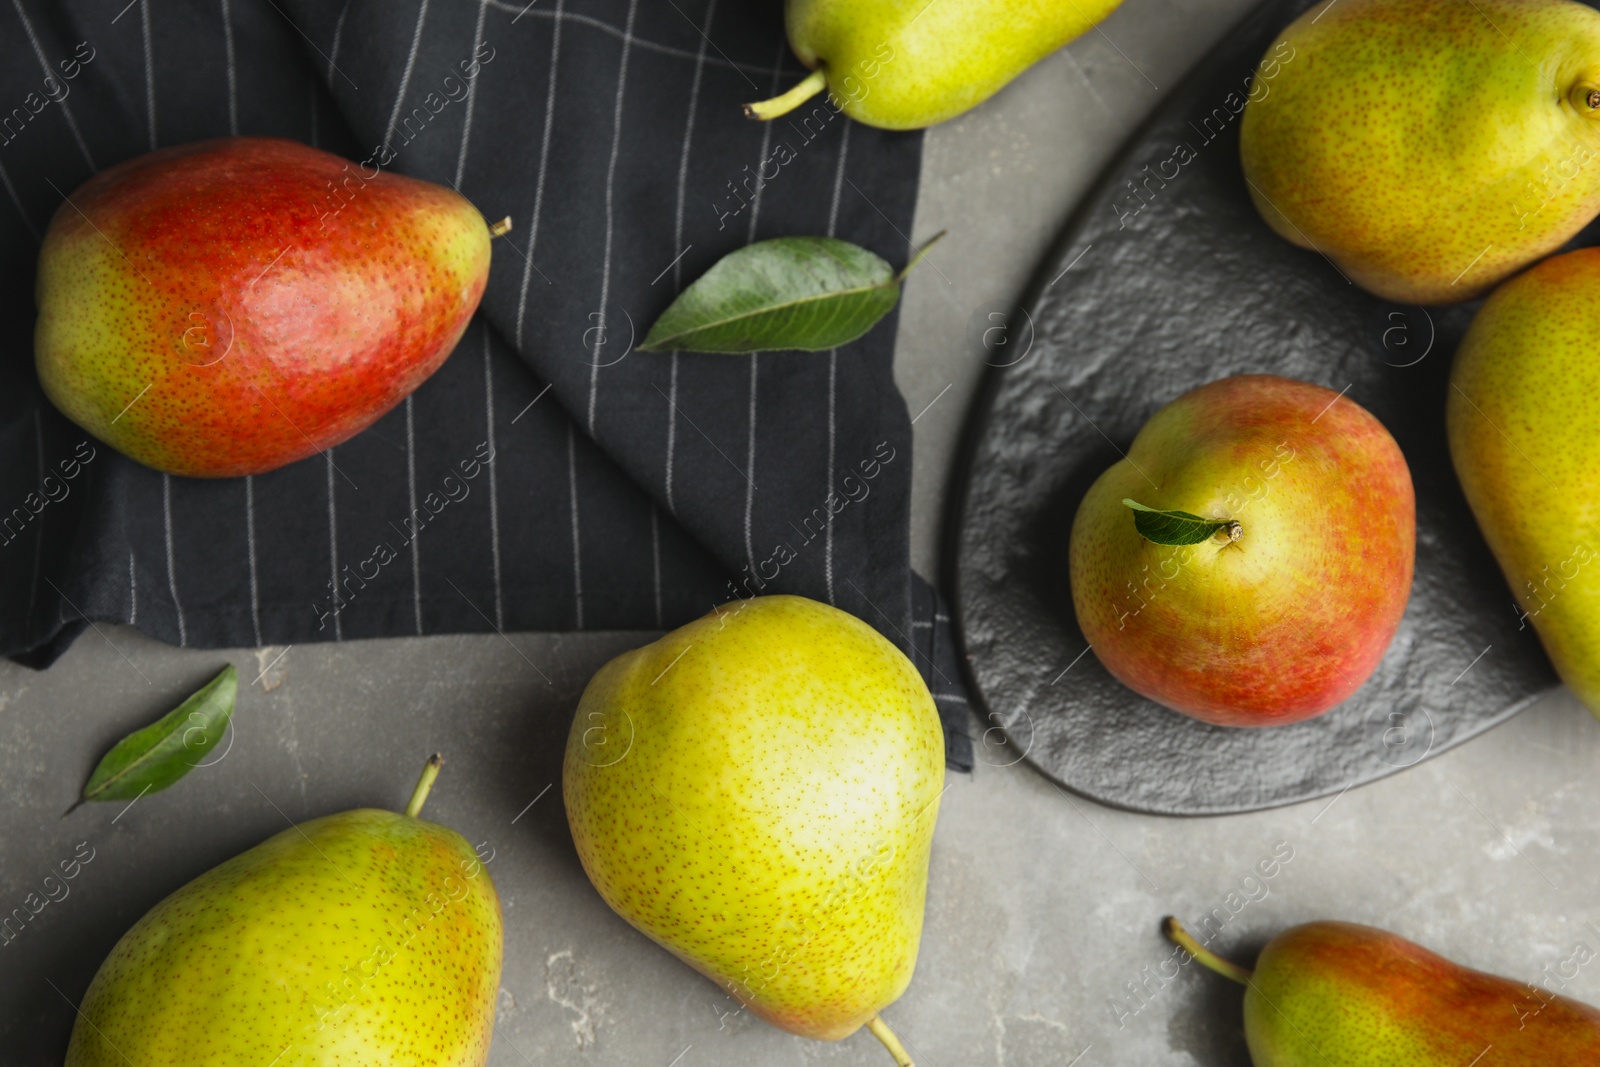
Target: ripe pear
[1286,603]
[226,307]
[756,792]
[1429,148]
[1525,437]
[905,64]
[1334,994]
[365,937]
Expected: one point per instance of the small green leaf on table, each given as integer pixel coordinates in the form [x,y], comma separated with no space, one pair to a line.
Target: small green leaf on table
[806,293]
[1177,527]
[154,757]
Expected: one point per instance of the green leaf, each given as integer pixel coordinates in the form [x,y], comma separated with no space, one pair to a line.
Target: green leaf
[1177,527]
[150,759]
[806,293]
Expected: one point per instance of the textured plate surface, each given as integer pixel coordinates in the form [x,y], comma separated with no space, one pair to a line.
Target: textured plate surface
[1167,278]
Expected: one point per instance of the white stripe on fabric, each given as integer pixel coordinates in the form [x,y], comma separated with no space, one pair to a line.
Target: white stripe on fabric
[677,230]
[494,495]
[766,144]
[333,551]
[233,85]
[472,100]
[833,394]
[628,38]
[755,357]
[338,37]
[250,549]
[66,112]
[405,77]
[544,160]
[172,572]
[133,592]
[672,426]
[611,175]
[411,431]
[833,367]
[149,72]
[11,191]
[577,552]
[411,495]
[688,140]
[750,467]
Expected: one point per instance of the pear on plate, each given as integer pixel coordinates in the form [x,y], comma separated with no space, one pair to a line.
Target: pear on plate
[756,792]
[360,938]
[1428,148]
[1524,430]
[1335,994]
[1249,560]
[905,64]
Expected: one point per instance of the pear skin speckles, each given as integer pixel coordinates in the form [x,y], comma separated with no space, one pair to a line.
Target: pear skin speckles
[1429,148]
[226,307]
[363,937]
[756,791]
[1523,426]
[1338,993]
[903,66]
[1291,618]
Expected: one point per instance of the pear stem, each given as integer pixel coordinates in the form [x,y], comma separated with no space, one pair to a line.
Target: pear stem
[419,795]
[500,229]
[935,239]
[881,1031]
[768,110]
[1174,930]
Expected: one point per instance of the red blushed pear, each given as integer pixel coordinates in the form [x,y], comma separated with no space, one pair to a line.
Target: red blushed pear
[1248,562]
[227,307]
[1334,994]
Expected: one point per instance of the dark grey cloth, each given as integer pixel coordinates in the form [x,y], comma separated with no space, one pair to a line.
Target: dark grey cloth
[613,489]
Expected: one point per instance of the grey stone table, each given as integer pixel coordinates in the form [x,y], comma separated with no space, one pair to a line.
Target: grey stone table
[1042,944]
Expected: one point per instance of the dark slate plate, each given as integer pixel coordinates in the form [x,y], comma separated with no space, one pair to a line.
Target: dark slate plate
[1165,279]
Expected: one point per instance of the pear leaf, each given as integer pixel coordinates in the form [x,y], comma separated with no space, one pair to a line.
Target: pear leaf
[806,293]
[1177,527]
[154,757]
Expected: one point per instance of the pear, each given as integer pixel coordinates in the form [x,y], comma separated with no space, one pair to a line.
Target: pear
[756,792]
[228,307]
[905,64]
[1525,437]
[1281,568]
[1428,148]
[363,937]
[1334,994]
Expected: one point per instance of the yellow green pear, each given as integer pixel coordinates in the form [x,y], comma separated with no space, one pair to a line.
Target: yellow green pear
[1524,424]
[756,791]
[367,937]
[1429,148]
[905,64]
